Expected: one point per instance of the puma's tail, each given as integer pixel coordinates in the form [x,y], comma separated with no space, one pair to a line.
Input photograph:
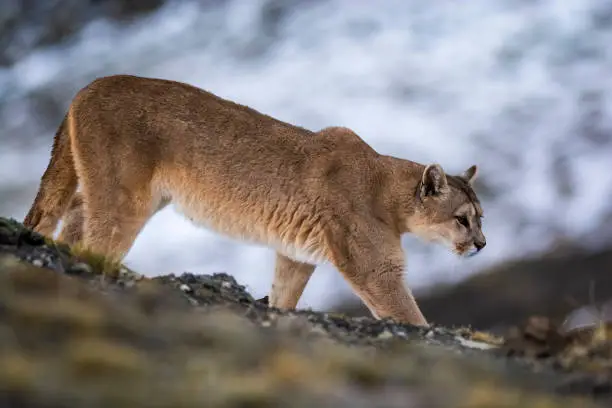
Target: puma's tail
[57,186]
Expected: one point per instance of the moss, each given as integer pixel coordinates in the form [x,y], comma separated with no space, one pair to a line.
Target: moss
[49,241]
[62,313]
[17,371]
[24,278]
[10,224]
[100,264]
[91,357]
[249,391]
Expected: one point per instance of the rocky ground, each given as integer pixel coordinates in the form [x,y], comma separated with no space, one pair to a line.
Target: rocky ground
[552,284]
[79,331]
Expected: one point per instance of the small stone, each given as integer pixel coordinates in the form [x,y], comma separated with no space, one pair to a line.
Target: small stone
[129,284]
[316,329]
[186,288]
[226,285]
[385,334]
[79,268]
[38,263]
[188,278]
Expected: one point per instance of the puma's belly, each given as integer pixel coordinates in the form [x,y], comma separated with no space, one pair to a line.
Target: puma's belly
[247,229]
[223,224]
[314,256]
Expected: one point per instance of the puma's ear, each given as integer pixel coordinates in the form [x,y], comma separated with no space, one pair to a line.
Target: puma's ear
[434,180]
[470,174]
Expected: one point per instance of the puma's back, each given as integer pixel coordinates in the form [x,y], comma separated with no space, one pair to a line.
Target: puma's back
[167,122]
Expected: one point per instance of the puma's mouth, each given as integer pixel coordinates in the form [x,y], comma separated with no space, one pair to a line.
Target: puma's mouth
[466,250]
[471,252]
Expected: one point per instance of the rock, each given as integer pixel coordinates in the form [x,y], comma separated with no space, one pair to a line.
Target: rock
[74,333]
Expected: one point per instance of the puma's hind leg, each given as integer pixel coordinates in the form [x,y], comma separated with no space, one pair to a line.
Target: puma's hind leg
[113,218]
[73,222]
[73,227]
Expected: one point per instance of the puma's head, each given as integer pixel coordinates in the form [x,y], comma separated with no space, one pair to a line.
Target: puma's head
[448,211]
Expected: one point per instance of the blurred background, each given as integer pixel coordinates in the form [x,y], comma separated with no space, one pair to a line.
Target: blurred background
[523,88]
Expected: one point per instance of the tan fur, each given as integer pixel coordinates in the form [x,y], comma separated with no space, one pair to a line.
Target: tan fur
[133,145]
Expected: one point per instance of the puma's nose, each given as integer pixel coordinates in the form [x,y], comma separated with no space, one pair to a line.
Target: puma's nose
[480,244]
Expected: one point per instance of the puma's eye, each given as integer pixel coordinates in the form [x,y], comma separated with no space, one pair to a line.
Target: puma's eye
[462,219]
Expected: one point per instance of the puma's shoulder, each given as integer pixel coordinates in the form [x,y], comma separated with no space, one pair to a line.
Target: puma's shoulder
[340,138]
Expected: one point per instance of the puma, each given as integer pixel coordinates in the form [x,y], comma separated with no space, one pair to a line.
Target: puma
[132,145]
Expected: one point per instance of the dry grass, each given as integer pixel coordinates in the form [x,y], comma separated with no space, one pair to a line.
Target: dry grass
[99,263]
[71,342]
[487,338]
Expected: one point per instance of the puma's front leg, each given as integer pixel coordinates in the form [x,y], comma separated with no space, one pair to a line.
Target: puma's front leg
[372,261]
[290,279]
[385,293]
